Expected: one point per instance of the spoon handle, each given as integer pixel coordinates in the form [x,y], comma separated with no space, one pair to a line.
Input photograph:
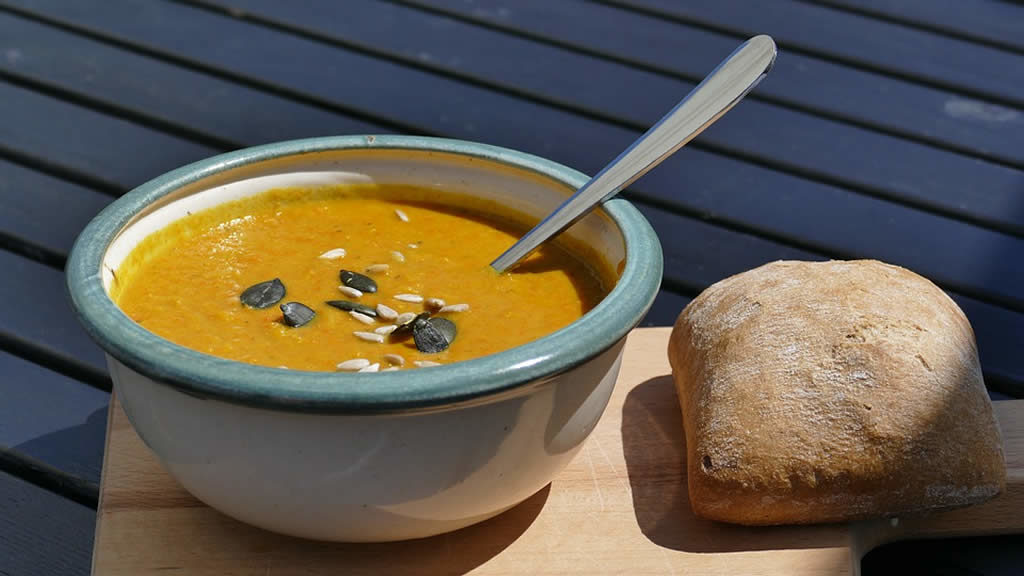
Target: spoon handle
[727,84]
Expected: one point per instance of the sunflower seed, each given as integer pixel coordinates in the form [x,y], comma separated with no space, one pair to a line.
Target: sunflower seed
[413,246]
[297,314]
[350,292]
[401,215]
[390,369]
[358,281]
[405,318]
[426,363]
[385,330]
[361,317]
[386,313]
[349,306]
[394,359]
[369,337]
[376,268]
[398,256]
[414,298]
[433,335]
[454,308]
[434,303]
[371,368]
[264,294]
[354,364]
[333,254]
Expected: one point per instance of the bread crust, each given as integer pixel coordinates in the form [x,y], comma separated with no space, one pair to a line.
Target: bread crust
[830,391]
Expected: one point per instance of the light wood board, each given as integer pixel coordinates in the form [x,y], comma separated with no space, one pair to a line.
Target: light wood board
[620,507]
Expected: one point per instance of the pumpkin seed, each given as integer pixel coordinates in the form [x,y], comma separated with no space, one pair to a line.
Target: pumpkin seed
[333,254]
[361,317]
[414,298]
[358,281]
[350,292]
[454,308]
[353,365]
[401,215]
[349,306]
[371,368]
[433,335]
[385,312]
[394,359]
[369,337]
[264,294]
[297,314]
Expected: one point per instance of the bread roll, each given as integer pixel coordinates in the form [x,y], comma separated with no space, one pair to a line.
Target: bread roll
[830,391]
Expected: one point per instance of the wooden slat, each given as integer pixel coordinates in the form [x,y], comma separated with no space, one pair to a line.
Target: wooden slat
[52,418]
[40,210]
[953,64]
[37,314]
[81,140]
[835,152]
[993,22]
[966,258]
[42,533]
[853,95]
[147,87]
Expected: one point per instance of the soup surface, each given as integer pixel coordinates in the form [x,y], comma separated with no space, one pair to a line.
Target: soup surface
[185,282]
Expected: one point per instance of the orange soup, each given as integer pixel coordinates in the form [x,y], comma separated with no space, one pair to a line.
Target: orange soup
[355,278]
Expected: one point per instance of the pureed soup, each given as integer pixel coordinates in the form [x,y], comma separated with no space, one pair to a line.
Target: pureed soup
[356,277]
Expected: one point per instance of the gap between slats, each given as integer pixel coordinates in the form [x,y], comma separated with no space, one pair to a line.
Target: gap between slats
[921,25]
[49,478]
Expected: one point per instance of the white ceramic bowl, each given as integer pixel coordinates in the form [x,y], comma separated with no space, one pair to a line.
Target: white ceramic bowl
[366,457]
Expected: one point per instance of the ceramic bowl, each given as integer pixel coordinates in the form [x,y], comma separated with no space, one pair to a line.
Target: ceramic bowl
[366,457]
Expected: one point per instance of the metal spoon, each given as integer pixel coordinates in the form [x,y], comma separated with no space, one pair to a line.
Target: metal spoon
[714,96]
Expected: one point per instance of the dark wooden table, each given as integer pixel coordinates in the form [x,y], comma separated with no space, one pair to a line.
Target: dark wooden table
[889,129]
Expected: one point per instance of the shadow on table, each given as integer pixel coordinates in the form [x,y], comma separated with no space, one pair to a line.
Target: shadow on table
[655,450]
[76,450]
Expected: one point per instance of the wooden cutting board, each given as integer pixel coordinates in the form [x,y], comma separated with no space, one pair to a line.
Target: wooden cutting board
[619,507]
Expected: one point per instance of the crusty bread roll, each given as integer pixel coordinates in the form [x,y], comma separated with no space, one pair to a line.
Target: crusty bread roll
[829,391]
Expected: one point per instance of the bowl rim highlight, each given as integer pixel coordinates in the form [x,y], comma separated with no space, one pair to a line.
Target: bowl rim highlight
[481,379]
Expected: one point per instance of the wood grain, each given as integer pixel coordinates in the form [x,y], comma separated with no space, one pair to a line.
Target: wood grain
[619,507]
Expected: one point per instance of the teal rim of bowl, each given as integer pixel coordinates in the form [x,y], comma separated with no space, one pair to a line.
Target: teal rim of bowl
[498,374]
